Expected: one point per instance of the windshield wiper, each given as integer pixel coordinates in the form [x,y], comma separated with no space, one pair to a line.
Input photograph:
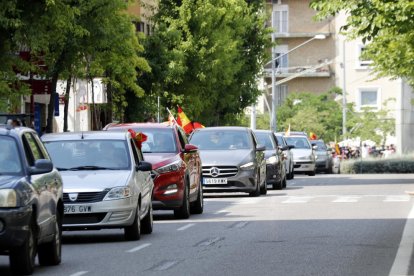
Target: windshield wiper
[88,168]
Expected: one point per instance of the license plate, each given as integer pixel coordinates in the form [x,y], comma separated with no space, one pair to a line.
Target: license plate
[215,180]
[77,209]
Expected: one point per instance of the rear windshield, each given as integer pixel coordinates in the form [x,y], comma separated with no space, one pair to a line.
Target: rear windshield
[10,163]
[221,140]
[89,154]
[266,140]
[298,142]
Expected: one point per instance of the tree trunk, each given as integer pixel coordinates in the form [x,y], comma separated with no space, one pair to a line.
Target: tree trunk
[65,111]
[51,106]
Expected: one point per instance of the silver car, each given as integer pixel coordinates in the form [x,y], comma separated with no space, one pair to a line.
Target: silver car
[288,155]
[303,154]
[324,161]
[232,159]
[107,184]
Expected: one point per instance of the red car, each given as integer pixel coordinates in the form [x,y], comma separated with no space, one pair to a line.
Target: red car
[176,167]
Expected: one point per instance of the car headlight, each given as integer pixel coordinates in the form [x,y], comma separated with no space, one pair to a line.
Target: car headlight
[172,167]
[118,193]
[8,198]
[272,160]
[247,166]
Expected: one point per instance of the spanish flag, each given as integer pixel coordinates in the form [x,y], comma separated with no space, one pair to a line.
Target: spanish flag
[139,137]
[184,122]
[312,136]
[287,132]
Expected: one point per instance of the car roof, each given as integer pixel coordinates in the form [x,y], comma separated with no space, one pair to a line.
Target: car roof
[237,128]
[262,131]
[137,125]
[9,130]
[86,135]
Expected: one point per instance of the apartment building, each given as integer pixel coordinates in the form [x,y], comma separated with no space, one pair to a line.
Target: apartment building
[143,10]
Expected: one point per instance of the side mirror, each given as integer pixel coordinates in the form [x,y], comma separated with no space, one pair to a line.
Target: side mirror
[291,146]
[190,148]
[314,147]
[260,147]
[283,148]
[41,166]
[144,166]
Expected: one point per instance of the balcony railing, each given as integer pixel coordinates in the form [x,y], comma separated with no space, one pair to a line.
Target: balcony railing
[283,72]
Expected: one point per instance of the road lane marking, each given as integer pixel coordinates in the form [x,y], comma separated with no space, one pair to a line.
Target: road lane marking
[79,273]
[135,249]
[346,199]
[209,242]
[402,260]
[297,199]
[221,211]
[397,198]
[185,227]
[239,225]
[164,265]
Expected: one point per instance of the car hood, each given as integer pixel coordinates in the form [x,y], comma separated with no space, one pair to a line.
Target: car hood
[93,181]
[301,152]
[225,157]
[159,159]
[7,181]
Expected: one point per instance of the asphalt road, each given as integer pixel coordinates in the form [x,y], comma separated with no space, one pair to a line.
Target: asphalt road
[322,225]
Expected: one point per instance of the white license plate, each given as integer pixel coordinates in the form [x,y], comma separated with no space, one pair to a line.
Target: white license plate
[77,209]
[215,180]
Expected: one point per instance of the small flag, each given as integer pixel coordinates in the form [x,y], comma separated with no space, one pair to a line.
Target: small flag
[287,132]
[312,136]
[184,122]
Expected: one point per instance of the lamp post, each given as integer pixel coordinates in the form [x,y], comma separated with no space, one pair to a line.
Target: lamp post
[273,119]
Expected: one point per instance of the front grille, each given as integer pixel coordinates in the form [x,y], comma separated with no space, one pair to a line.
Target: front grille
[83,218]
[87,197]
[223,171]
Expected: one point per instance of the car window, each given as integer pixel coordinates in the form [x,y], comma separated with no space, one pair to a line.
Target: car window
[321,145]
[280,140]
[135,152]
[33,148]
[298,142]
[266,140]
[72,154]
[182,138]
[10,162]
[221,139]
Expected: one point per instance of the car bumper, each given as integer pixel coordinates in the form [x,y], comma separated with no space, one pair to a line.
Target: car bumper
[165,198]
[15,223]
[322,164]
[103,214]
[304,166]
[244,181]
[273,173]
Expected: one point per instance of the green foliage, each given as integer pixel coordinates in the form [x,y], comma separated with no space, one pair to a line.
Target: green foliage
[387,25]
[308,112]
[391,165]
[207,54]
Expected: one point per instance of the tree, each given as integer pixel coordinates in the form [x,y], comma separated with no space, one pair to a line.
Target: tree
[308,112]
[386,26]
[206,56]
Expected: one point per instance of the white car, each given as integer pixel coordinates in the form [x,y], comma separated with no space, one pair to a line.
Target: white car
[303,154]
[288,155]
[106,182]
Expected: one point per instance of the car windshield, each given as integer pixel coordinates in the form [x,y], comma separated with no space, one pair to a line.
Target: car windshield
[298,142]
[221,140]
[10,163]
[159,140]
[89,154]
[266,140]
[280,140]
[320,144]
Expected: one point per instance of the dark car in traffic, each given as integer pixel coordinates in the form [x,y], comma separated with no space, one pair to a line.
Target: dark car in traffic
[275,160]
[176,167]
[233,160]
[31,201]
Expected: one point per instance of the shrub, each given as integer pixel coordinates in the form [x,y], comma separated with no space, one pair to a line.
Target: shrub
[390,165]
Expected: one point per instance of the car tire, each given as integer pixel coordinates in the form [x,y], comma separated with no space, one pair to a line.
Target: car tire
[284,183]
[22,258]
[51,253]
[147,224]
[256,192]
[197,207]
[133,232]
[263,189]
[184,211]
[312,173]
[278,185]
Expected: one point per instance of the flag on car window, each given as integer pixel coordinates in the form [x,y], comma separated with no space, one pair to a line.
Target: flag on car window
[287,132]
[184,122]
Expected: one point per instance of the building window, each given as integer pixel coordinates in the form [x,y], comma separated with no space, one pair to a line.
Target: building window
[281,92]
[281,62]
[369,98]
[139,26]
[362,62]
[280,18]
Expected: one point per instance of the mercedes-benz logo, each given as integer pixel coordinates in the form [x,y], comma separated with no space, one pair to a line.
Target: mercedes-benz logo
[73,197]
[214,171]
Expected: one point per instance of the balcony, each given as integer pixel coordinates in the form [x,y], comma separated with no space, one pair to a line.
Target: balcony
[300,35]
[284,72]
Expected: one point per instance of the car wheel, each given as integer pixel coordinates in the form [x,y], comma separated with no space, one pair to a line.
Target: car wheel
[278,185]
[147,223]
[256,192]
[133,232]
[184,211]
[263,189]
[22,258]
[51,253]
[197,207]
[284,182]
[312,173]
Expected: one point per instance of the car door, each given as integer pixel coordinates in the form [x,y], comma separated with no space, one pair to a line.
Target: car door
[46,185]
[260,158]
[142,179]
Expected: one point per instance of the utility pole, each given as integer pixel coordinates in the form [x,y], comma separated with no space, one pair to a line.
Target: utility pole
[343,91]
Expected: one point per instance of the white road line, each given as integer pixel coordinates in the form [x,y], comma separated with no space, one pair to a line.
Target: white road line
[221,211]
[185,227]
[249,200]
[297,199]
[401,263]
[135,249]
[166,265]
[346,199]
[79,273]
[397,198]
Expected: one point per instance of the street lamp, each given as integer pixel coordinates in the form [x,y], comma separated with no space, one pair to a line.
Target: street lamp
[273,124]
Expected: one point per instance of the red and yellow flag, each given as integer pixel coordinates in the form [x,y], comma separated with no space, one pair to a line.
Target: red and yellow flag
[312,136]
[184,122]
[139,137]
